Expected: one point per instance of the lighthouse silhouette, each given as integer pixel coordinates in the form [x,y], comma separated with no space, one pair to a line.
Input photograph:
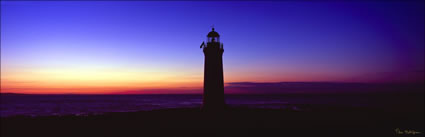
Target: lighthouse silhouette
[213,98]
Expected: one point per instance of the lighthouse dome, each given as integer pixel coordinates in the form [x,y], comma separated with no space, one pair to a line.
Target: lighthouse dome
[213,33]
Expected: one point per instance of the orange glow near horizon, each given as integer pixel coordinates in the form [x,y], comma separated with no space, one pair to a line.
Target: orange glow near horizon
[95,80]
[109,80]
[91,81]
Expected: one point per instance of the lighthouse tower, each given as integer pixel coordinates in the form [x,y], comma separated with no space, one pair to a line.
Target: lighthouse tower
[213,98]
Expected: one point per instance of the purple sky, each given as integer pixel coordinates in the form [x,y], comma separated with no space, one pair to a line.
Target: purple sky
[146,44]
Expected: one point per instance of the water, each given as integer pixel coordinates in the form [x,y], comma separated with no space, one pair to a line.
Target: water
[46,105]
[41,105]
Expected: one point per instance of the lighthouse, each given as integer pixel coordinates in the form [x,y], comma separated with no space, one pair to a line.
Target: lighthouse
[213,97]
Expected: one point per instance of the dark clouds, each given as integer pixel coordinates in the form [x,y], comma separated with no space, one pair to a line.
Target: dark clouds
[319,87]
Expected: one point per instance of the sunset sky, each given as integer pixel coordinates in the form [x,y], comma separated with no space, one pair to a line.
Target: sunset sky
[86,47]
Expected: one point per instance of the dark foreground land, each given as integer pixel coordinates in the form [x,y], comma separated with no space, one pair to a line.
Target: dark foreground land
[323,121]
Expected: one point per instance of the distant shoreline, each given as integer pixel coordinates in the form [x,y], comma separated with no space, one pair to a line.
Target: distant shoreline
[258,88]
